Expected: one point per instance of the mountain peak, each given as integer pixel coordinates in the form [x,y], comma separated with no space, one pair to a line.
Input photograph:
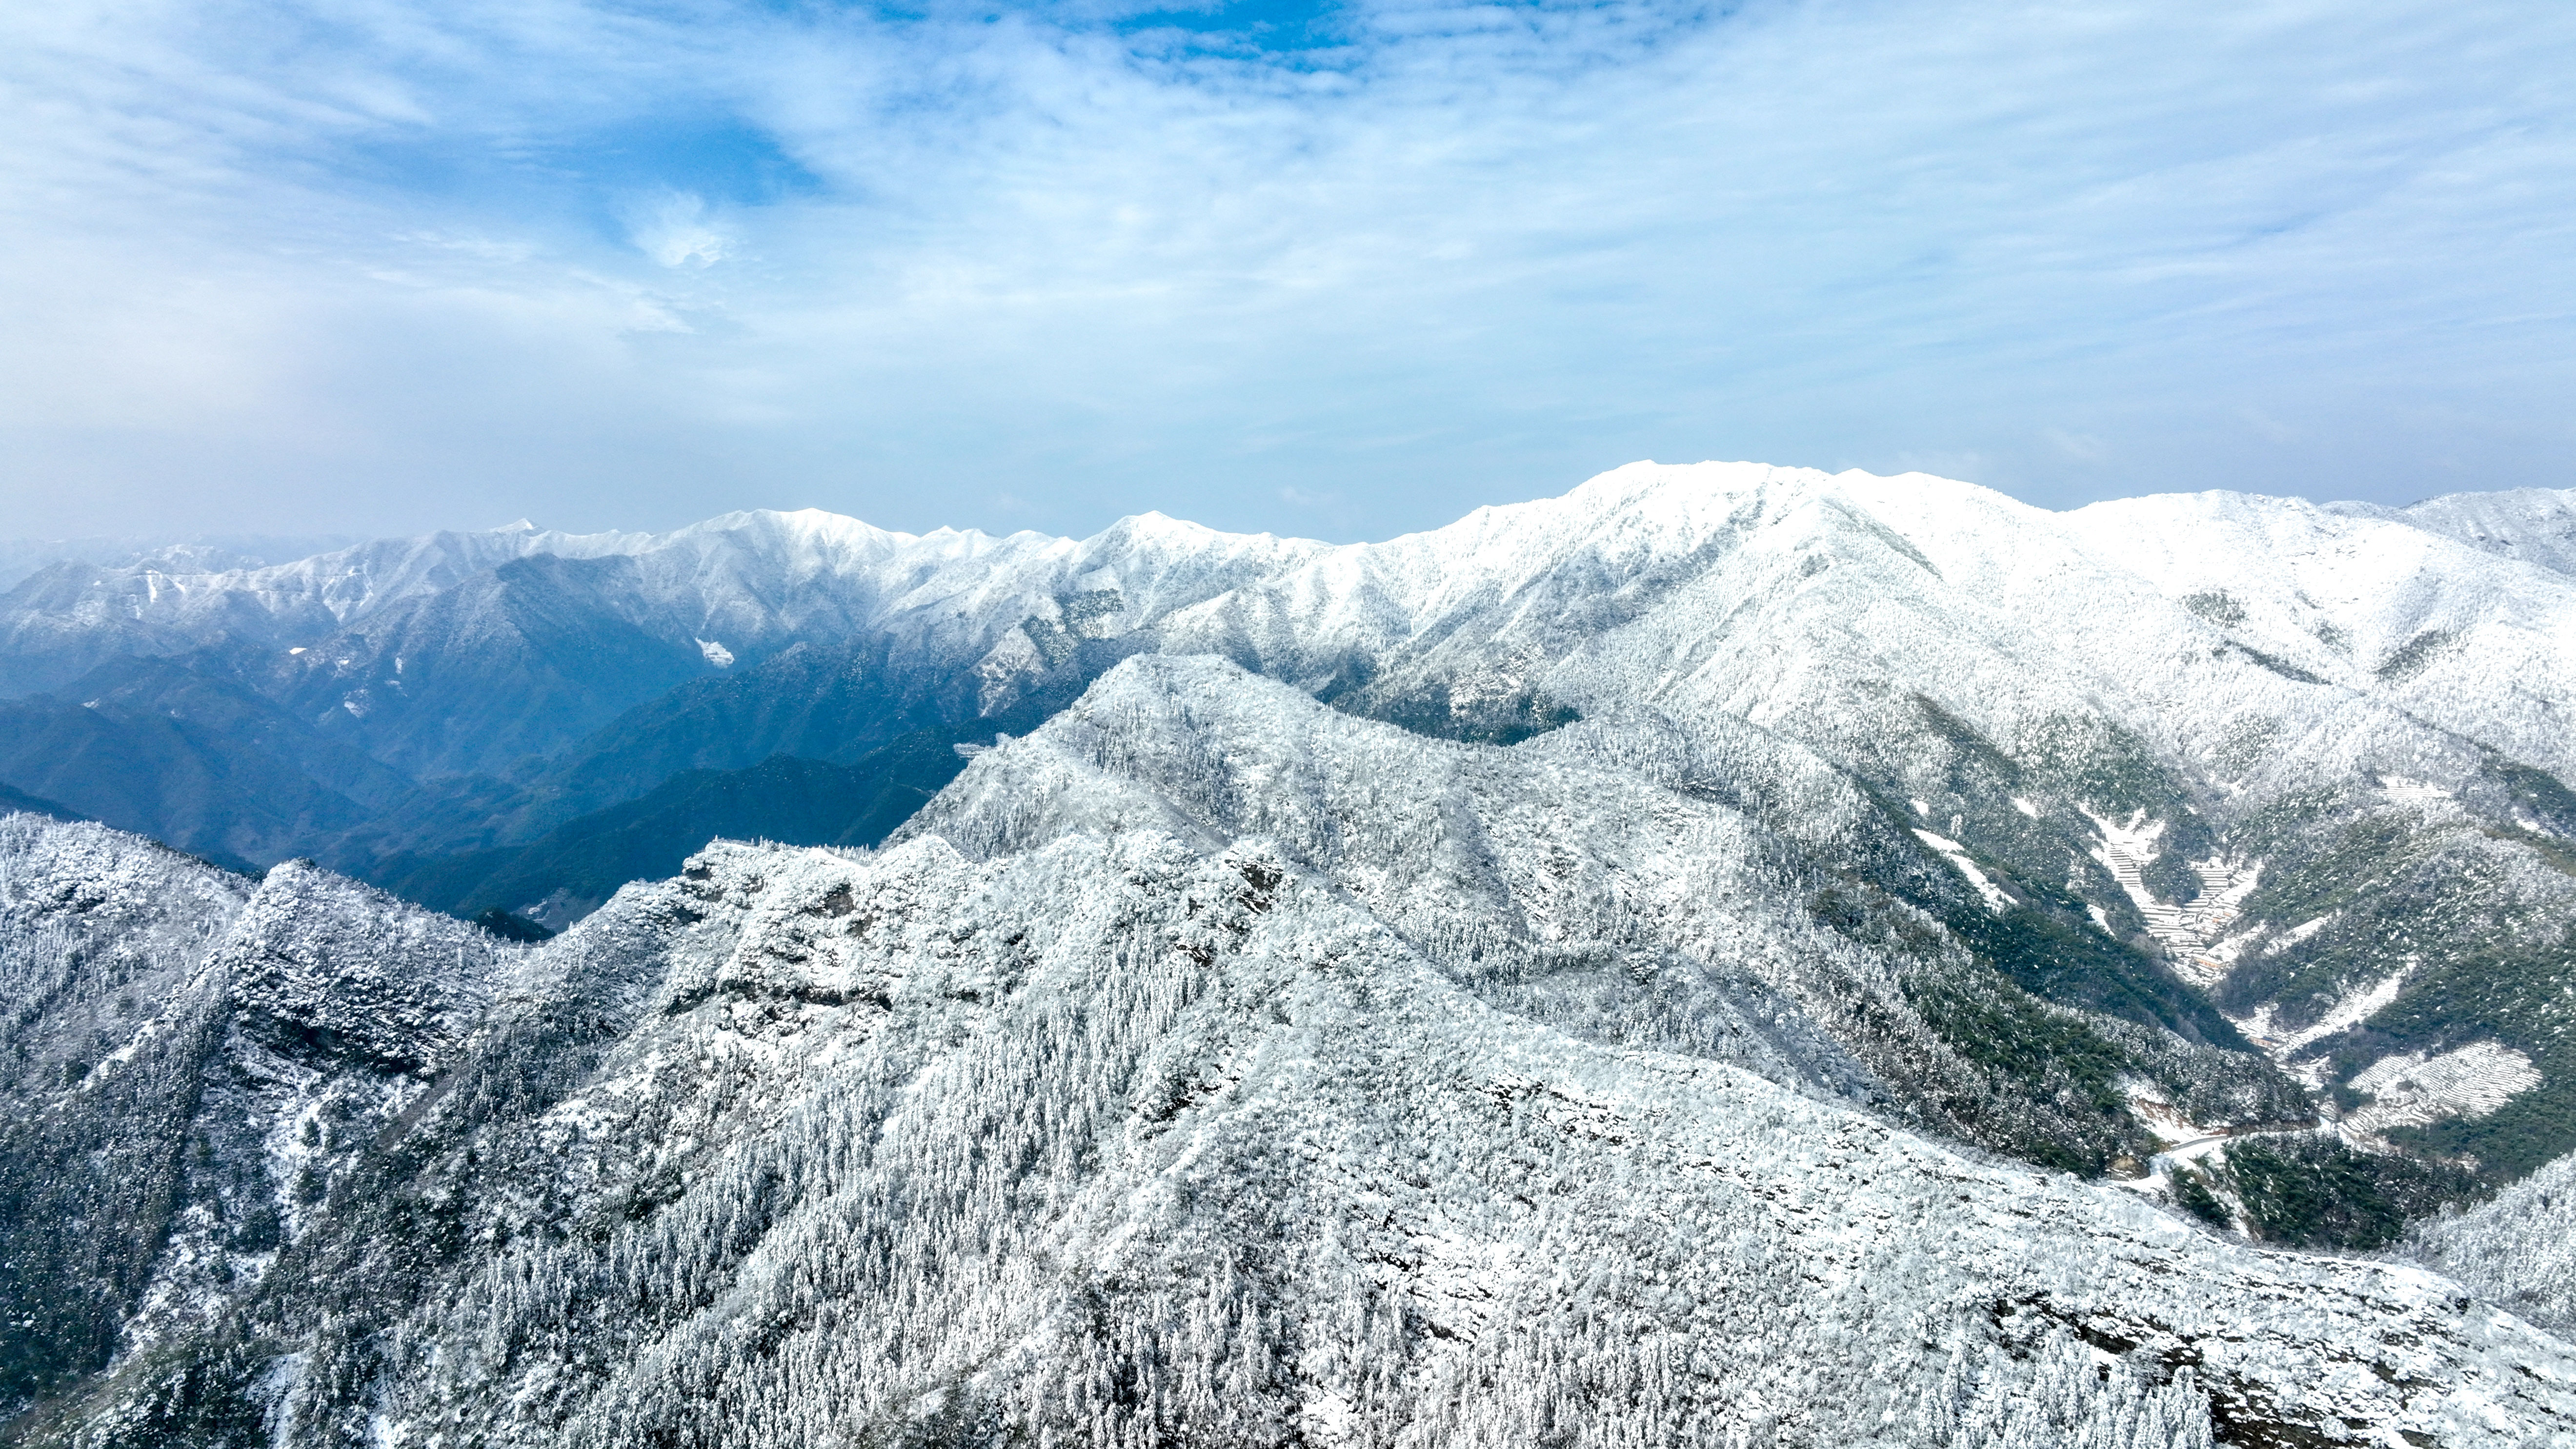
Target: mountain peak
[1451,990]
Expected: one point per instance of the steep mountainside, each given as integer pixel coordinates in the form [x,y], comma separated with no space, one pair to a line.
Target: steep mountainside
[2080,805]
[205,764]
[570,870]
[1724,895]
[1509,984]
[1136,1137]
[189,1059]
[2535,525]
[2519,1249]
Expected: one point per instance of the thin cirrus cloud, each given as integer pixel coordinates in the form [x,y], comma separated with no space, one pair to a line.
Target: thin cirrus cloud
[1344,270]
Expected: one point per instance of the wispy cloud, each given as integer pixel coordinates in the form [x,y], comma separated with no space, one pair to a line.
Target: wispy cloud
[674,229]
[368,264]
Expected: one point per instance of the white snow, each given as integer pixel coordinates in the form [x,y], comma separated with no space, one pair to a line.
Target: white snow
[2413,1090]
[2412,792]
[2189,931]
[2301,932]
[2519,1248]
[1767,594]
[2533,525]
[2355,1006]
[1957,854]
[1445,1073]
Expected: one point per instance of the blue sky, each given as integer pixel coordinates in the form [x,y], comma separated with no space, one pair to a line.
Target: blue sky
[1340,270]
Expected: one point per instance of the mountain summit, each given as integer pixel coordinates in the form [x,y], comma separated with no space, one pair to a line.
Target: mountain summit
[1731,954]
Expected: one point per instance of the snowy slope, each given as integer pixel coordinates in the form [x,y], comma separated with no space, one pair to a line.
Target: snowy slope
[1615,879]
[1207,1062]
[1766,593]
[2429,626]
[1147,1137]
[2535,525]
[2519,1249]
[2307,758]
[190,1059]
[1711,585]
[402,647]
[747,581]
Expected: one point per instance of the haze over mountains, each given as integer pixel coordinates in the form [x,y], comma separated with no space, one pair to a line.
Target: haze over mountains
[1450,990]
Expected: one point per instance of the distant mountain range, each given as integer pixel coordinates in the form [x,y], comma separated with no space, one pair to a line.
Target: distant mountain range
[1447,990]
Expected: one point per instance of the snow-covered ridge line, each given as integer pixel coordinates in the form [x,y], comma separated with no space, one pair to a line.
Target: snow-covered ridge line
[1520,596]
[975,1137]
[1770,641]
[1660,507]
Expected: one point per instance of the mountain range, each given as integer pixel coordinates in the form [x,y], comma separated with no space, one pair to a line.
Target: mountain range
[1731,954]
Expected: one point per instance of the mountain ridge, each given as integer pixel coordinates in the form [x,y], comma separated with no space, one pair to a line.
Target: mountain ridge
[2194,763]
[1728,955]
[1255,1063]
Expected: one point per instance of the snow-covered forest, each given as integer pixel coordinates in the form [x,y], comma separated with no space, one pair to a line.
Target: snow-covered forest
[1731,956]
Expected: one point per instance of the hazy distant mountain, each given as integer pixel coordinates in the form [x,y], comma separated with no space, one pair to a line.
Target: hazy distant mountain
[20,557]
[204,763]
[572,869]
[2214,846]
[2534,525]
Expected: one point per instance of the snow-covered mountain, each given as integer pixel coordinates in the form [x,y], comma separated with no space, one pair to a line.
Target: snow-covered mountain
[204,553]
[2212,847]
[1629,883]
[392,642]
[191,1057]
[1656,585]
[2535,525]
[2519,1248]
[1123,1136]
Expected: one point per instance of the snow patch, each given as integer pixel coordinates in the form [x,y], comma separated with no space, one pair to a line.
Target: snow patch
[2411,791]
[2413,1090]
[2150,1105]
[2187,931]
[1957,855]
[2351,1009]
[2259,941]
[1012,656]
[2300,932]
[2231,949]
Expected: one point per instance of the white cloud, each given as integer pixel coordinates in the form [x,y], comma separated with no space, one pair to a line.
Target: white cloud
[2081,447]
[675,230]
[560,257]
